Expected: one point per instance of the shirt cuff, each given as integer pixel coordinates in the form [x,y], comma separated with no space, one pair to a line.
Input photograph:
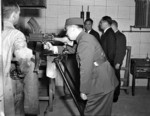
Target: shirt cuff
[70,43]
[23,53]
[55,50]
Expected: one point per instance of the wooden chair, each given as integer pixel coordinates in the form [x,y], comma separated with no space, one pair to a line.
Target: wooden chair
[126,68]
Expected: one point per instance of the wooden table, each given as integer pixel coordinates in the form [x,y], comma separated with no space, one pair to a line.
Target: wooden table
[140,69]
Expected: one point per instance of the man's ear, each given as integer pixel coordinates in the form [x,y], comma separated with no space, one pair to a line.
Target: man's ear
[12,16]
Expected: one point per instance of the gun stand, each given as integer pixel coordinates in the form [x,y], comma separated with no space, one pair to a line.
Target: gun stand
[57,61]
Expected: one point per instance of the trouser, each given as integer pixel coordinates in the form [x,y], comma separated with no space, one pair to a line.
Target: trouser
[99,104]
[117,89]
[31,92]
[21,96]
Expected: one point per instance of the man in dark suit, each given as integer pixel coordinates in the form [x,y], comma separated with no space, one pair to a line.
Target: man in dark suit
[108,39]
[88,29]
[120,53]
[97,77]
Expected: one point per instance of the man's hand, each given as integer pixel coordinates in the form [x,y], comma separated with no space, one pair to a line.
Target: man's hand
[83,96]
[23,53]
[64,40]
[24,65]
[49,46]
[117,66]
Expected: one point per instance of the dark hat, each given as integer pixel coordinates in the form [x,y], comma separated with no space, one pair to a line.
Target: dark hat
[74,21]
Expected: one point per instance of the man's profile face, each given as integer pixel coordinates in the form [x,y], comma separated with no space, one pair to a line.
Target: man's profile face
[88,25]
[103,24]
[71,32]
[16,17]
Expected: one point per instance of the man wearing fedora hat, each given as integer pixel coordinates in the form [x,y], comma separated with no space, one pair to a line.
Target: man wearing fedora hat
[97,77]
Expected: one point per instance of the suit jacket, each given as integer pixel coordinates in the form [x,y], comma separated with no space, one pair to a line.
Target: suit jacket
[120,47]
[93,79]
[95,34]
[108,42]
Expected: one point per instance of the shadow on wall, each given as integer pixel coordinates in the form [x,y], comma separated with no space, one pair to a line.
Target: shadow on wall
[27,13]
[30,13]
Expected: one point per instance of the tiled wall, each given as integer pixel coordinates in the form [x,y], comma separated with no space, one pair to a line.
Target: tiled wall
[53,18]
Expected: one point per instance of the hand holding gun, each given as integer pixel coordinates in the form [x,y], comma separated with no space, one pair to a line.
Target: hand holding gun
[65,40]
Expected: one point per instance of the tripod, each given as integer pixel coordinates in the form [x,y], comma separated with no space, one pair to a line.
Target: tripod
[58,63]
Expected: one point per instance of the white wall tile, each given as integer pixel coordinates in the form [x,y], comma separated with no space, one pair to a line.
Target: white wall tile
[131,22]
[124,24]
[135,51]
[134,37]
[52,11]
[63,2]
[63,11]
[145,37]
[126,2]
[49,2]
[112,3]
[88,2]
[144,48]
[51,30]
[99,12]
[123,12]
[51,23]
[100,2]
[112,11]
[76,2]
[75,11]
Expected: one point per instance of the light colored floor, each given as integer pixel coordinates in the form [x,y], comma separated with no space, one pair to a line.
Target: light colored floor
[128,105]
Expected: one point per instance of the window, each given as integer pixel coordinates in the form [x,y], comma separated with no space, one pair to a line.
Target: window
[142,13]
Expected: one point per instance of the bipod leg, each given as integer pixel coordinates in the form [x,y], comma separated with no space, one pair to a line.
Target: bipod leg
[57,62]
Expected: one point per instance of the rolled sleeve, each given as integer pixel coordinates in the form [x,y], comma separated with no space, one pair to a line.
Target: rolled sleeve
[20,48]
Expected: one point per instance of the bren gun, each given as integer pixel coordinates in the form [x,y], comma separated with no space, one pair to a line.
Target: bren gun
[41,39]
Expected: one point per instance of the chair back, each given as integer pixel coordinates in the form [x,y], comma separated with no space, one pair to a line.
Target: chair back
[126,68]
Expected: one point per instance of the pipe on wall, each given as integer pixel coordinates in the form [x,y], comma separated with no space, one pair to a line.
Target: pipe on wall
[135,31]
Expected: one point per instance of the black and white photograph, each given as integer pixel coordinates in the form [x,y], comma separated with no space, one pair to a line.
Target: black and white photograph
[75,58]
